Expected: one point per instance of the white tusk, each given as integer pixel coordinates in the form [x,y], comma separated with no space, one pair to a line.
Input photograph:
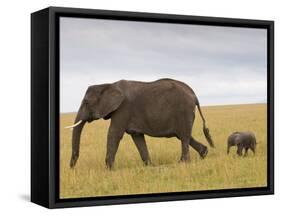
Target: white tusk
[76,124]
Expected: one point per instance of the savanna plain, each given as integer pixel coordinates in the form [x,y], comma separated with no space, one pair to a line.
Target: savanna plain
[90,178]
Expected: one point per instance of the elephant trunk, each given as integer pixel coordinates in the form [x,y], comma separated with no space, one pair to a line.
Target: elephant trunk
[76,134]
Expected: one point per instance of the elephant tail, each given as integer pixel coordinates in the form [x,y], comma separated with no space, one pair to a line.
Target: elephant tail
[205,129]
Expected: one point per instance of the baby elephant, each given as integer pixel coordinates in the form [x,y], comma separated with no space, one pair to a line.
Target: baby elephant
[243,140]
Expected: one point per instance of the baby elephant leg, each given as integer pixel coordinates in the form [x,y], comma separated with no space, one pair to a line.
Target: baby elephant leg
[253,148]
[246,151]
[239,150]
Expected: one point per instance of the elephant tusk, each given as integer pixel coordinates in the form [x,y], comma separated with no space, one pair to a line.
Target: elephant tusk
[76,124]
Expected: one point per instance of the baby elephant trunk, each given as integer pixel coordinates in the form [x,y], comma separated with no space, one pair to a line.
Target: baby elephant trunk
[231,142]
[228,148]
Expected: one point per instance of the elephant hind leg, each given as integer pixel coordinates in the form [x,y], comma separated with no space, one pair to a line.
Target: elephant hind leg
[185,155]
[140,143]
[246,151]
[199,147]
[253,150]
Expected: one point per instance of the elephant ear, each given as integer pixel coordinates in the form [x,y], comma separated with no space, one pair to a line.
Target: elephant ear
[110,99]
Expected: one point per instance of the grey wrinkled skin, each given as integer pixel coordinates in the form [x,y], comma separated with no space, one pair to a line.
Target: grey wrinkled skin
[243,140]
[163,108]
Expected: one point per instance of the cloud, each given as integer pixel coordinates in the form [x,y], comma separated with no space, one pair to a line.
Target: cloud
[222,64]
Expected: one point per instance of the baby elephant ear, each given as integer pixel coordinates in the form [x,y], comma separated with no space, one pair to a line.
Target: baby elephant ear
[109,101]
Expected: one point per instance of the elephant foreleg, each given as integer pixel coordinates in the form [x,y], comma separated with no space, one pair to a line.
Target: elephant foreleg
[200,148]
[113,138]
[140,143]
[185,155]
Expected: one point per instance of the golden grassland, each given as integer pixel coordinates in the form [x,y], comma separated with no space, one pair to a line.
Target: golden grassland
[218,170]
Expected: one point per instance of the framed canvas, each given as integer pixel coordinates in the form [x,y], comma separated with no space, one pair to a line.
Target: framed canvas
[132,107]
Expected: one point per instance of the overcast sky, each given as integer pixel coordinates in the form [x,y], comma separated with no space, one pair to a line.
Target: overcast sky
[223,65]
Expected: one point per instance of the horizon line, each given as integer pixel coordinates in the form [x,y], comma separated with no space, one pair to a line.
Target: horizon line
[212,105]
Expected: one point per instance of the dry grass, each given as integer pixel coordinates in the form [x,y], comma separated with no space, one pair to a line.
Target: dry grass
[90,177]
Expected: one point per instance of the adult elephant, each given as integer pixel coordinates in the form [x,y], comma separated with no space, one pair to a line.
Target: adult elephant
[163,108]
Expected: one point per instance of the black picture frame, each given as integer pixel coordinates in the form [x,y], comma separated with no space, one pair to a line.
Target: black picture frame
[45,106]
